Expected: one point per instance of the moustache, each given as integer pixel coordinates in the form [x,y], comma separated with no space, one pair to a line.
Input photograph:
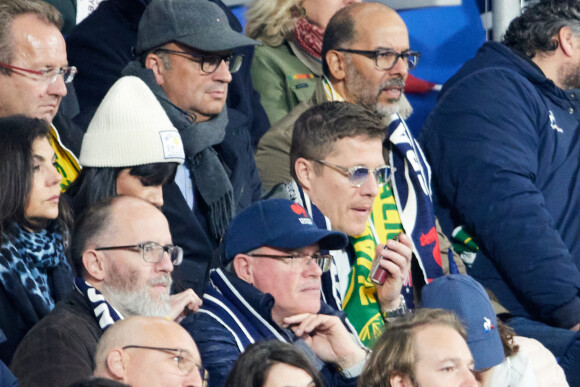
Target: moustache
[164,280]
[393,83]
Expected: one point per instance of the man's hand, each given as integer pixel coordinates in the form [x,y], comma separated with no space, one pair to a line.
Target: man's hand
[328,338]
[397,264]
[182,303]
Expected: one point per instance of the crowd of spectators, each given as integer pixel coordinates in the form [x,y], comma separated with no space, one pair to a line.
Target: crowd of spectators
[183,204]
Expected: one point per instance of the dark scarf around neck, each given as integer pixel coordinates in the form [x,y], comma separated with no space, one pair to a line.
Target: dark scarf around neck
[202,161]
[104,312]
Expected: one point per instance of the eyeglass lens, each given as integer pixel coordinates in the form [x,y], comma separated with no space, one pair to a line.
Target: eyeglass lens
[68,74]
[360,174]
[210,63]
[322,261]
[187,365]
[153,253]
[387,60]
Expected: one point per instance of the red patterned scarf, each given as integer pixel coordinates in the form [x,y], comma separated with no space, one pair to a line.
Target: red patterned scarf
[309,37]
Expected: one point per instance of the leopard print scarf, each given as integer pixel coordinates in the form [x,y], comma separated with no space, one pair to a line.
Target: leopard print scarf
[28,261]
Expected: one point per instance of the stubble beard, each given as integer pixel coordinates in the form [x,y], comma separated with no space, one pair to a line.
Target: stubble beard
[570,76]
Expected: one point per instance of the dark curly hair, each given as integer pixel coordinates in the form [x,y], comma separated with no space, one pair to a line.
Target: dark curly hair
[533,31]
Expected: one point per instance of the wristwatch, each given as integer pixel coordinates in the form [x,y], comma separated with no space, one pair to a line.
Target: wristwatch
[400,311]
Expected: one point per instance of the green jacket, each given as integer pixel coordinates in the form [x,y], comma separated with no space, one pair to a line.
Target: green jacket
[284,76]
[273,152]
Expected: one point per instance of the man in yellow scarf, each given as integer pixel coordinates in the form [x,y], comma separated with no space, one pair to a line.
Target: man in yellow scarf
[34,70]
[367,59]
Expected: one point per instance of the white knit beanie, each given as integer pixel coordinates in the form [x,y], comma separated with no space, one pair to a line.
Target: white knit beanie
[130,128]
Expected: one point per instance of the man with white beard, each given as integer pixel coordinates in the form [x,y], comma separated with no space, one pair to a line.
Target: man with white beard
[122,248]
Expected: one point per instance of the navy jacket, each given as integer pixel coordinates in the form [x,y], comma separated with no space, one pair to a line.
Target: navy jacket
[6,377]
[504,147]
[217,344]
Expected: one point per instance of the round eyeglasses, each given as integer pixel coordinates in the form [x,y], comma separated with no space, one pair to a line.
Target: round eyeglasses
[386,59]
[47,76]
[209,63]
[183,360]
[152,252]
[358,175]
[301,261]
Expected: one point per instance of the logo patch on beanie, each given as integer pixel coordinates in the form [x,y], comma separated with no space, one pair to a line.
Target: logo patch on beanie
[172,146]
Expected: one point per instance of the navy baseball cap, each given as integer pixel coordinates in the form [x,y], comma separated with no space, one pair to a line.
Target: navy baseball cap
[277,223]
[199,24]
[468,299]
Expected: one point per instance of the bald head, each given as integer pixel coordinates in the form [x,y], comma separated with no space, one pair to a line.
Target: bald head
[168,360]
[129,212]
[369,16]
[352,22]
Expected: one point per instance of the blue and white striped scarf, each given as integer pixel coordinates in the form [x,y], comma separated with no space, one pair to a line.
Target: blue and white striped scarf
[105,314]
[412,190]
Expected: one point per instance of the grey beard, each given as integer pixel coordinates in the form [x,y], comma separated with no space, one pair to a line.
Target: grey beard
[403,107]
[357,85]
[137,302]
[570,77]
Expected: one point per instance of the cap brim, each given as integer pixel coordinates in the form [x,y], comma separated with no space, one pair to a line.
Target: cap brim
[487,352]
[226,40]
[326,240]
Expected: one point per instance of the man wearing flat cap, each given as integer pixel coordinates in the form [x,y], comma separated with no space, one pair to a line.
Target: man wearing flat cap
[269,289]
[186,57]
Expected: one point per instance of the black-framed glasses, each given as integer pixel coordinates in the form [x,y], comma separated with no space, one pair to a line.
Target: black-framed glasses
[48,76]
[209,63]
[185,364]
[152,252]
[386,59]
[357,175]
[301,261]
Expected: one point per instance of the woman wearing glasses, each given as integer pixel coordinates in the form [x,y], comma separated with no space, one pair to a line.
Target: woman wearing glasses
[130,148]
[285,68]
[34,232]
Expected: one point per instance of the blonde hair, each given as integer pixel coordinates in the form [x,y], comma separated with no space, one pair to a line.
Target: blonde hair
[272,21]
